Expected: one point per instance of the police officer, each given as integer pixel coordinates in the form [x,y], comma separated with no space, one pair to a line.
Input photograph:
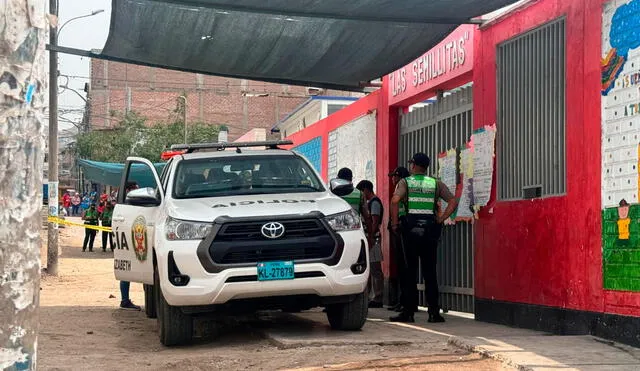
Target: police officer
[90,217]
[355,198]
[395,242]
[420,234]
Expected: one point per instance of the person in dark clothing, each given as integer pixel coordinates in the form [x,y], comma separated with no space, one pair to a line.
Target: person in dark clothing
[395,244]
[420,234]
[105,218]
[90,217]
[376,212]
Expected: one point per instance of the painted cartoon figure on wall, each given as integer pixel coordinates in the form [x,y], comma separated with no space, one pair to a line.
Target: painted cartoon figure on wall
[624,221]
[620,68]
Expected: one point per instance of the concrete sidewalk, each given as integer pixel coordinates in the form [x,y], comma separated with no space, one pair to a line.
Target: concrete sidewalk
[518,348]
[526,349]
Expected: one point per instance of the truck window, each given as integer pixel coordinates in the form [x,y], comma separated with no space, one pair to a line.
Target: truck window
[244,175]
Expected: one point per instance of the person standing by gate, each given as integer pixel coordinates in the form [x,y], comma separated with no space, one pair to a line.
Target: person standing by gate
[395,244]
[376,210]
[420,234]
[90,217]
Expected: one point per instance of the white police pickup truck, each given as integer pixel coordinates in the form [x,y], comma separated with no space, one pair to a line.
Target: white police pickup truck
[237,231]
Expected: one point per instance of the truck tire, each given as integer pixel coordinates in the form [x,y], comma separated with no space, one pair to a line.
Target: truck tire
[349,316]
[174,327]
[150,301]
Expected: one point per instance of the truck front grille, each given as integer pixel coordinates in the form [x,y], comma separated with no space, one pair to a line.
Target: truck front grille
[243,242]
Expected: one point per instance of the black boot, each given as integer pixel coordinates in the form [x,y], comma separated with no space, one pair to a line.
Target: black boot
[435,318]
[403,317]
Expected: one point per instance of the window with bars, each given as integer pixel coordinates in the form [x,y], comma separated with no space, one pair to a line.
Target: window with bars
[531,148]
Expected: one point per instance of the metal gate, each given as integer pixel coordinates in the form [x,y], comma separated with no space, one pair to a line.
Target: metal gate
[434,129]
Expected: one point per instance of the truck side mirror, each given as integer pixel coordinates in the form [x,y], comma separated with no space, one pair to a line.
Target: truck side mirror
[142,197]
[340,187]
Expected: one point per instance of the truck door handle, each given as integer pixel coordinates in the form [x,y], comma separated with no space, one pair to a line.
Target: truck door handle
[118,219]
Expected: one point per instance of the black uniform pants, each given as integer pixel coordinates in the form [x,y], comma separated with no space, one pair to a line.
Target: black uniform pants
[107,235]
[420,240]
[89,237]
[395,243]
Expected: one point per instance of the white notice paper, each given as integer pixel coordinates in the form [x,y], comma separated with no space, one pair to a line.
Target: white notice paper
[483,153]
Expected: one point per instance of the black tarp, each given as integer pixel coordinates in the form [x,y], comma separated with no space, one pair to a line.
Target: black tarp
[323,43]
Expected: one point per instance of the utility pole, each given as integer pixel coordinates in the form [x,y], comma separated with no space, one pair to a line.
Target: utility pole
[184,115]
[52,230]
[22,102]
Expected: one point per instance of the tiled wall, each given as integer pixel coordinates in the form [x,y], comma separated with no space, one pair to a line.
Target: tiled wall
[312,150]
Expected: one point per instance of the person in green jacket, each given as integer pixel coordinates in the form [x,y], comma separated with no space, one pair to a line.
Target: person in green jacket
[90,217]
[105,218]
[356,199]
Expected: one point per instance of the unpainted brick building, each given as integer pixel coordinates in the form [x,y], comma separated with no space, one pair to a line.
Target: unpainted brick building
[239,104]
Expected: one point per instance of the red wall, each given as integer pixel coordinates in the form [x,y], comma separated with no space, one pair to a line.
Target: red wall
[548,251]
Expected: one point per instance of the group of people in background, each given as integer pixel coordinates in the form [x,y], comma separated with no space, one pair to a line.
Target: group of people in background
[74,203]
[415,225]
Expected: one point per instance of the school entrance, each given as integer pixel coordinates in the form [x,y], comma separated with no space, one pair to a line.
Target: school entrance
[433,129]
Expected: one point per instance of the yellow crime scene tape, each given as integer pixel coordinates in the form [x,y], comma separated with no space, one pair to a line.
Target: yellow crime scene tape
[53,219]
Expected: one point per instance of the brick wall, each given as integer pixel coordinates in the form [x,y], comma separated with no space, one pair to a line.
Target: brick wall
[153,92]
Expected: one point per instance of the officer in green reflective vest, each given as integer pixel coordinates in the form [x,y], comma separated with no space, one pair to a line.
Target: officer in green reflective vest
[420,234]
[356,199]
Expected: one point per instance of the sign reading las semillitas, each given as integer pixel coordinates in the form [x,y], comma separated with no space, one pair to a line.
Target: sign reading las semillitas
[452,58]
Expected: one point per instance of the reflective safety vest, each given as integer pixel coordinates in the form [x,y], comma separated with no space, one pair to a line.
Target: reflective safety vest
[354,199]
[421,191]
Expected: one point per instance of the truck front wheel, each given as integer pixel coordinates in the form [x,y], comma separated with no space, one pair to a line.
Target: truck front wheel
[348,316]
[174,327]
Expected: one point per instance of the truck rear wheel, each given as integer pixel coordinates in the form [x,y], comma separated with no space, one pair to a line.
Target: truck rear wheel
[150,301]
[349,316]
[174,327]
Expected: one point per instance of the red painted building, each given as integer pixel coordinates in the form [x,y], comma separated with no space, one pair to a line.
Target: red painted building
[543,73]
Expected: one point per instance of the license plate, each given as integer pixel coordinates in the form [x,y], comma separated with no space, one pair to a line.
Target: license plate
[273,271]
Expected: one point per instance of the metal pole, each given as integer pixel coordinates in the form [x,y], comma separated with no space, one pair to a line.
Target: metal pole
[21,160]
[184,116]
[52,230]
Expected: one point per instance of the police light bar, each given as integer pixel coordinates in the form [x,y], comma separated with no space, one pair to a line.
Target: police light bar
[189,148]
[166,155]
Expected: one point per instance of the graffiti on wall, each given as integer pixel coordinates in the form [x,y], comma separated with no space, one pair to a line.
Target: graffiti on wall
[621,145]
[353,145]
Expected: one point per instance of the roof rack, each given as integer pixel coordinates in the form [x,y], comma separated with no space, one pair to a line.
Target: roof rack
[190,148]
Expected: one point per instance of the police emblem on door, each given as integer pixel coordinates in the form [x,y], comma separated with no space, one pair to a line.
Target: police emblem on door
[139,237]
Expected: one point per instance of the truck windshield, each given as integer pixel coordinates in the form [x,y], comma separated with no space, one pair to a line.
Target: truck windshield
[244,175]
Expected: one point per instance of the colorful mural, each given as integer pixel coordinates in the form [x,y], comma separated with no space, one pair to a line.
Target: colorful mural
[621,145]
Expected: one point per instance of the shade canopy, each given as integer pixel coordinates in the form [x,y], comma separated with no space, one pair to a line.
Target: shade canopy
[108,173]
[322,43]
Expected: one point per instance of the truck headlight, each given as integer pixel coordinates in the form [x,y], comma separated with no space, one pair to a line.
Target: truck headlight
[184,230]
[347,221]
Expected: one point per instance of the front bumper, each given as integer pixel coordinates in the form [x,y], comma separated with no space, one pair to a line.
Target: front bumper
[237,283]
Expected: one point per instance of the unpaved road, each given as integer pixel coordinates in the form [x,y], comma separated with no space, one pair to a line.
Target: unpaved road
[83,329]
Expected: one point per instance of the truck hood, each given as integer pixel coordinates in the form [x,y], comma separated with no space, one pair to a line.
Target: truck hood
[208,209]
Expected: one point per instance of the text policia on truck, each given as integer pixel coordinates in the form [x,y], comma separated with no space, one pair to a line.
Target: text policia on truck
[232,231]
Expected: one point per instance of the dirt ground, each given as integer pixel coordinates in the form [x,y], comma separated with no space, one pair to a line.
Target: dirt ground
[82,328]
